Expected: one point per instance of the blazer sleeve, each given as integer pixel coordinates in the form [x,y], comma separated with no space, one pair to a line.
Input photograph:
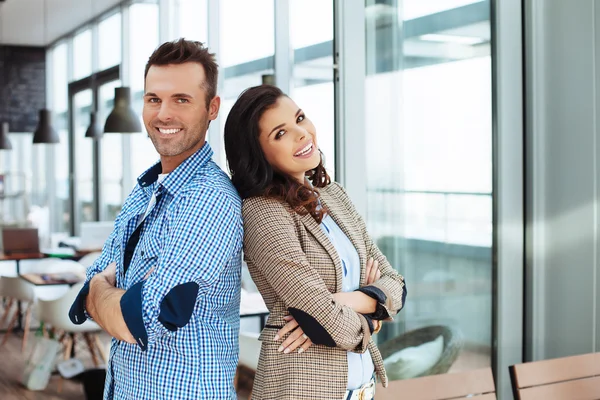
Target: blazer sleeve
[391,286]
[271,245]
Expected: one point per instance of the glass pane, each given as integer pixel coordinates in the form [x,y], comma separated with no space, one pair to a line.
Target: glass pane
[109,42]
[191,19]
[82,54]
[429,173]
[312,81]
[17,183]
[60,214]
[244,65]
[258,37]
[111,159]
[144,39]
[82,104]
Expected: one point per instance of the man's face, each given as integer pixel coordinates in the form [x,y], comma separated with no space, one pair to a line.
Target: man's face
[175,111]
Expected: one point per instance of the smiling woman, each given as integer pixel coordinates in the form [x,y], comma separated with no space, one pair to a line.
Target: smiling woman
[323,279]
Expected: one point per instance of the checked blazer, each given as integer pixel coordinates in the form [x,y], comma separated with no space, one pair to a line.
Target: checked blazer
[295,266]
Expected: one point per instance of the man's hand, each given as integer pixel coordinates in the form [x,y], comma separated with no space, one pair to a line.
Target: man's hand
[103,304]
[110,274]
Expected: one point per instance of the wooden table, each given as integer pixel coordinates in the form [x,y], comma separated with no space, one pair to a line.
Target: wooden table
[52,279]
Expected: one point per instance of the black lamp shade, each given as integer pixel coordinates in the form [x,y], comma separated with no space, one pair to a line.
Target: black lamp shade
[4,140]
[122,119]
[44,133]
[93,131]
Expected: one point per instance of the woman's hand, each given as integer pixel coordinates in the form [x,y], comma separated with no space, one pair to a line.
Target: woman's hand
[372,273]
[296,340]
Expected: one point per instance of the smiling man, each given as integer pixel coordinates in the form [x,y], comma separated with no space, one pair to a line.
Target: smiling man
[167,285]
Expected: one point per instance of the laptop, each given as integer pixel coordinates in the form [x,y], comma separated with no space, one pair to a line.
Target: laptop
[20,241]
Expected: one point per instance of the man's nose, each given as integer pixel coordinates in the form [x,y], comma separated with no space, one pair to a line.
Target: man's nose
[164,114]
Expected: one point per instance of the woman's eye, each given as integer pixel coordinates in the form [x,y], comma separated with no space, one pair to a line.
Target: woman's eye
[300,118]
[279,134]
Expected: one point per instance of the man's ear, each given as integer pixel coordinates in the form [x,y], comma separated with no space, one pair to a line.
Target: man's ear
[213,108]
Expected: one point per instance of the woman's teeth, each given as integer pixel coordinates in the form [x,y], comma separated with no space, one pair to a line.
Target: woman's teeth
[305,150]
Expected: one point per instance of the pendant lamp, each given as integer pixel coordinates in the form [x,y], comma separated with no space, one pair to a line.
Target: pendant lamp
[122,118]
[44,133]
[4,140]
[93,131]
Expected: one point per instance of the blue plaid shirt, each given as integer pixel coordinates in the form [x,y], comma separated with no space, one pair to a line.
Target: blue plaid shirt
[185,315]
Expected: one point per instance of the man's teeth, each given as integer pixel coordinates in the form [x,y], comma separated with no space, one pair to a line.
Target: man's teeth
[304,150]
[168,131]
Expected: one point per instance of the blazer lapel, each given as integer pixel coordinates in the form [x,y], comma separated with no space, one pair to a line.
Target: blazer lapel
[314,228]
[342,218]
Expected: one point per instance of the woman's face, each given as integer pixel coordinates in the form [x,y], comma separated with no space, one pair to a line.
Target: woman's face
[288,139]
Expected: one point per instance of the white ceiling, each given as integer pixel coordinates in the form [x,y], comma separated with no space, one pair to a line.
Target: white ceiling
[24,23]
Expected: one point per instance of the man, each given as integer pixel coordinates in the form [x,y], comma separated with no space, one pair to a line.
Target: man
[167,285]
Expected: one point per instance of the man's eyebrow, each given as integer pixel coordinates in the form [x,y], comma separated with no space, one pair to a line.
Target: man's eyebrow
[175,95]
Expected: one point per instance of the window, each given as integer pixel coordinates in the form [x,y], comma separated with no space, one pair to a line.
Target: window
[109,42]
[111,160]
[312,80]
[429,164]
[243,62]
[84,168]
[143,41]
[191,19]
[82,48]
[60,213]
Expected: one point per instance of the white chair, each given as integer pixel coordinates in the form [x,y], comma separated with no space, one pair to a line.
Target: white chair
[56,266]
[17,290]
[89,259]
[56,314]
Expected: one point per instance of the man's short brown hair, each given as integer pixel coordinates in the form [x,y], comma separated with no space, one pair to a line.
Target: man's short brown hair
[183,51]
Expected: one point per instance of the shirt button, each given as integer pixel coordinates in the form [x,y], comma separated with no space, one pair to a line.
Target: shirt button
[142,253]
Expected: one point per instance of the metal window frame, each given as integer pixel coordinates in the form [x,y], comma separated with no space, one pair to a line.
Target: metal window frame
[349,92]
[508,190]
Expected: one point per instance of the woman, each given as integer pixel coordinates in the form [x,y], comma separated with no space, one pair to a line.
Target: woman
[325,282]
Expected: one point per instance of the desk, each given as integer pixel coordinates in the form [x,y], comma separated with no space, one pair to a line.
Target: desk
[18,257]
[52,279]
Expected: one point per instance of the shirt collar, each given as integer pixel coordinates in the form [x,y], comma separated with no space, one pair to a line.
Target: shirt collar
[180,175]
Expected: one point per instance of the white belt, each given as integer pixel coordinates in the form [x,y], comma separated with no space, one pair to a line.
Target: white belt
[365,392]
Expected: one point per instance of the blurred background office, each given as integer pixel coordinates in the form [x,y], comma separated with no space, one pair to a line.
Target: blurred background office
[464,131]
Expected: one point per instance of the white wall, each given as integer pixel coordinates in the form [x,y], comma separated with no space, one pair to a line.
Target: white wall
[562,177]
